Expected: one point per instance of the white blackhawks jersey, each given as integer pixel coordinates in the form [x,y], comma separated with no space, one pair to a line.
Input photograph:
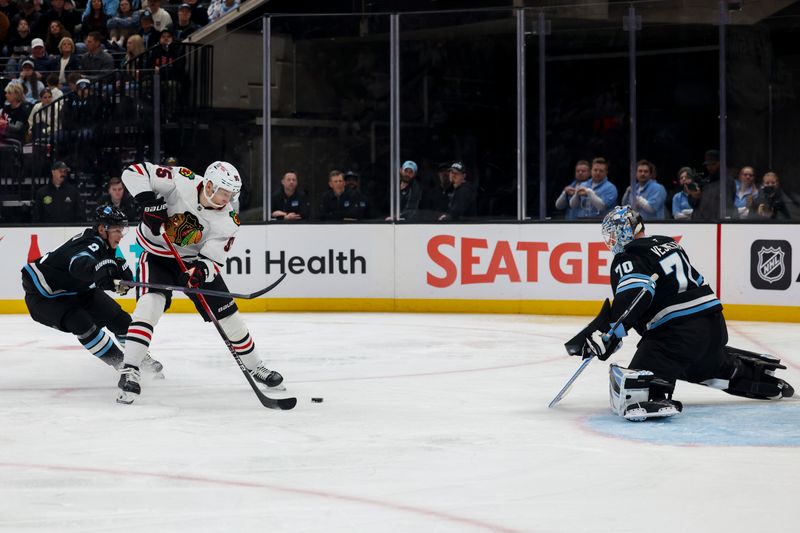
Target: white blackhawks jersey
[203,232]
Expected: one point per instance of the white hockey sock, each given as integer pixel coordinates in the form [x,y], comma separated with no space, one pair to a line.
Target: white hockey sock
[148,311]
[236,330]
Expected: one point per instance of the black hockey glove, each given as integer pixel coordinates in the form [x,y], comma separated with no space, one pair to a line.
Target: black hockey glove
[154,211]
[125,274]
[601,345]
[105,272]
[196,273]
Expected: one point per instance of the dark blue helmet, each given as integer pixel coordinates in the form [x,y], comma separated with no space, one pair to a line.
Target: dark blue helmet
[109,215]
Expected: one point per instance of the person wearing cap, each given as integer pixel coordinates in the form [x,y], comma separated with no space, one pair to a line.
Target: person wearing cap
[410,192]
[161,19]
[199,13]
[463,203]
[436,196]
[360,203]
[41,61]
[147,30]
[289,202]
[96,61]
[707,208]
[596,196]
[29,82]
[185,27]
[166,53]
[58,201]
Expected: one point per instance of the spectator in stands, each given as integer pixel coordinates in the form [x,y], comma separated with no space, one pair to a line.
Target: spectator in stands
[95,21]
[686,198]
[647,195]
[161,19]
[15,113]
[55,32]
[772,201]
[166,53]
[42,64]
[185,27]
[5,26]
[51,82]
[410,192]
[147,30]
[96,61]
[9,9]
[219,8]
[28,12]
[707,207]
[83,112]
[337,203]
[39,123]
[594,198]
[134,48]
[67,62]
[123,24]
[199,13]
[58,201]
[745,196]
[119,197]
[562,202]
[63,12]
[110,8]
[290,203]
[29,82]
[19,46]
[463,203]
[436,198]
[360,202]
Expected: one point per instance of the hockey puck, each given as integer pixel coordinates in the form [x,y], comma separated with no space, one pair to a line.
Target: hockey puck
[316,400]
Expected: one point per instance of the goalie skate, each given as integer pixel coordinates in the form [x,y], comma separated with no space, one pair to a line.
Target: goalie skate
[129,388]
[272,379]
[630,395]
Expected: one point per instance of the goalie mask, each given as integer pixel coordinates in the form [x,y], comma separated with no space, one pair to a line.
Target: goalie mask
[224,176]
[620,226]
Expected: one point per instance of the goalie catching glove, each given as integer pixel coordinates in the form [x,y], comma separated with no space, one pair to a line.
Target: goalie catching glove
[602,345]
[196,273]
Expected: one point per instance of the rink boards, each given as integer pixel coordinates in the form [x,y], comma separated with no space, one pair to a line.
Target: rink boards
[480,268]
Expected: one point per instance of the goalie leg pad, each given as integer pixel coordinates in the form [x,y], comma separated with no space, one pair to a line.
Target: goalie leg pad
[753,376]
[637,395]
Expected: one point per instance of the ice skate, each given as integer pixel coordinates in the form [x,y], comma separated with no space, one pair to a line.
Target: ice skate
[270,378]
[641,411]
[152,366]
[128,384]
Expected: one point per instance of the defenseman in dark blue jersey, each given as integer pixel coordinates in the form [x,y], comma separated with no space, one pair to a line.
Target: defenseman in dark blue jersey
[680,321]
[64,289]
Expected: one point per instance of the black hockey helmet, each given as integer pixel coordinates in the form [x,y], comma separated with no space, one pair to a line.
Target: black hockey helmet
[108,215]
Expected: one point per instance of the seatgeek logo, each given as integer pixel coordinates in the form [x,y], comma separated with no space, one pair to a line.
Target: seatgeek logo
[468,261]
[771,264]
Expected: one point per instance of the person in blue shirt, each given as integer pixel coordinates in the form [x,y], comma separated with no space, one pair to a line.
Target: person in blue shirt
[685,199]
[647,196]
[562,202]
[745,198]
[595,197]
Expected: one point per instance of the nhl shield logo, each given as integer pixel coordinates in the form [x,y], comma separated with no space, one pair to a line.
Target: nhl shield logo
[770,264]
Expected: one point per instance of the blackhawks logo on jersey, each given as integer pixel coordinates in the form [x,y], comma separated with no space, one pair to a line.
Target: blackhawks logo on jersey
[186,173]
[235,217]
[184,229]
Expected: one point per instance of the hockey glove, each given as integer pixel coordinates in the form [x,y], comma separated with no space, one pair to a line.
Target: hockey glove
[196,273]
[601,345]
[154,211]
[105,272]
[125,274]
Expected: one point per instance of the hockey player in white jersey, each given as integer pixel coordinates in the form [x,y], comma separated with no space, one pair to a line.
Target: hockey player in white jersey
[195,213]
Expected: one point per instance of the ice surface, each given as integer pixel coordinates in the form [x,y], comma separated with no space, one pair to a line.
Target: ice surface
[430,423]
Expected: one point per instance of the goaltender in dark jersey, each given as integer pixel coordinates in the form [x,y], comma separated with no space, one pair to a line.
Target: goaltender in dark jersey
[680,293]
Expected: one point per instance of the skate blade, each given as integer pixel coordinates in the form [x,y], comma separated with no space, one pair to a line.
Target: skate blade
[279,388]
[126,398]
[641,414]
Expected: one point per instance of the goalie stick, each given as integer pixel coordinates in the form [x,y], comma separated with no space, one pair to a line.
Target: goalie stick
[270,403]
[568,385]
[206,292]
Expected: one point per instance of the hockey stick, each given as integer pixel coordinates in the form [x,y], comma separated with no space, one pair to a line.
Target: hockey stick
[270,403]
[568,385]
[205,292]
